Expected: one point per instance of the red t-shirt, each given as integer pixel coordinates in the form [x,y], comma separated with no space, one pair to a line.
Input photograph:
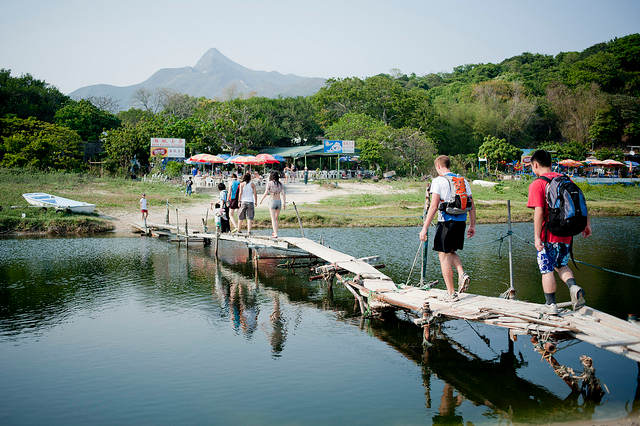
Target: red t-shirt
[537,198]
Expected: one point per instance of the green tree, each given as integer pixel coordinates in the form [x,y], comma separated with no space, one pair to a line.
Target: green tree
[40,145]
[497,150]
[86,119]
[26,96]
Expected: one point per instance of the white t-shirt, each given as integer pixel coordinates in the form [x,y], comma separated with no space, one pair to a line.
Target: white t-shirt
[143,204]
[441,186]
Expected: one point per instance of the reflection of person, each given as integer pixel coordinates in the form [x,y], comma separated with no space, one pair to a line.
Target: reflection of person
[144,210]
[279,334]
[248,199]
[448,405]
[233,201]
[224,207]
[449,236]
[553,251]
[278,200]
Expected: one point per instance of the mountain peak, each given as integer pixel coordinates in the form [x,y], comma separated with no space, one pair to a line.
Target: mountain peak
[212,60]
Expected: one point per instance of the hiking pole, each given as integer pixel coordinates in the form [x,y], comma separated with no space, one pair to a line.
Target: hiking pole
[425,248]
[299,220]
[511,293]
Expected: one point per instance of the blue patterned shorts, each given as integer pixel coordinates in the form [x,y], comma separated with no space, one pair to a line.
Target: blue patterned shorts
[553,255]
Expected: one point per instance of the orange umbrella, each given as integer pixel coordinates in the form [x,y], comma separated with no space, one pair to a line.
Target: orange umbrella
[267,159]
[570,163]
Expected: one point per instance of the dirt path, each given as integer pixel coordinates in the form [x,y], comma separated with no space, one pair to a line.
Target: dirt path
[297,192]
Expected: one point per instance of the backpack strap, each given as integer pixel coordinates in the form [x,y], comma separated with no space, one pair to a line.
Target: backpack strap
[546,229]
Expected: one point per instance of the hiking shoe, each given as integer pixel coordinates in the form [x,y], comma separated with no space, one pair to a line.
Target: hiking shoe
[551,309]
[463,282]
[451,297]
[577,296]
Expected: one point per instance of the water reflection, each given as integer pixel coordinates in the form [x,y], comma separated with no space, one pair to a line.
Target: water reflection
[465,377]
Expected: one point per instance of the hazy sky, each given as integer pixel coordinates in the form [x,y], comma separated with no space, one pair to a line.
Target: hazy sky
[76,43]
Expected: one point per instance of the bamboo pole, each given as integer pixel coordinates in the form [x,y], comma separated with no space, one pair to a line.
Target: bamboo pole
[512,290]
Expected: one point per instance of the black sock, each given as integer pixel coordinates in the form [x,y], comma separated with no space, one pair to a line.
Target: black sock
[571,282]
[550,298]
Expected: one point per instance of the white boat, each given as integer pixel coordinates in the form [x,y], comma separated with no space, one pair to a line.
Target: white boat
[42,199]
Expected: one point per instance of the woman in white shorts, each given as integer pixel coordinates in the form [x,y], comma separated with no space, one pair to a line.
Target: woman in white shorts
[278,200]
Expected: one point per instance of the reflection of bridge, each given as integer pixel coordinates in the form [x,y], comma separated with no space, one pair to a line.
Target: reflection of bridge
[374,291]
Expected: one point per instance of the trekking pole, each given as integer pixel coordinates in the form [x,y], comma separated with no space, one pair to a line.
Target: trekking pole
[512,291]
[425,248]
[299,220]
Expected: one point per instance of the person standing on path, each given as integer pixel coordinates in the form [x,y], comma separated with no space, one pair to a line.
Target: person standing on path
[233,201]
[278,200]
[553,250]
[189,189]
[450,192]
[144,209]
[248,199]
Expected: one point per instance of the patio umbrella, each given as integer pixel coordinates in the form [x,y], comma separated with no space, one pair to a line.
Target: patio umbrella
[632,163]
[612,163]
[570,163]
[594,162]
[267,159]
[224,156]
[205,159]
[246,160]
[280,158]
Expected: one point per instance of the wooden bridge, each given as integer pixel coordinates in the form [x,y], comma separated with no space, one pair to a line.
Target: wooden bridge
[375,292]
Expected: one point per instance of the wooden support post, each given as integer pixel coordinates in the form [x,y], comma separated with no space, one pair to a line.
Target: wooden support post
[186,232]
[166,216]
[217,240]
[426,323]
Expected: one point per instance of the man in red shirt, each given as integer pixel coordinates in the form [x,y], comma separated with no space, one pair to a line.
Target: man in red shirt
[553,251]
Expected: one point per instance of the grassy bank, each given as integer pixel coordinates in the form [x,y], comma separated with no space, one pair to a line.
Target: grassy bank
[405,209]
[108,193]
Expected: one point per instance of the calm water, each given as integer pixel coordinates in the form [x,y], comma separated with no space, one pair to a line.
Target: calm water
[139,331]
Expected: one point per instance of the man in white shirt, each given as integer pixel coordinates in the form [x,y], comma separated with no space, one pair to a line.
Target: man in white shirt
[450,229]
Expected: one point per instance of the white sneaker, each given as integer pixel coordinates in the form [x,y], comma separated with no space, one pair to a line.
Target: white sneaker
[463,282]
[451,297]
[577,296]
[551,309]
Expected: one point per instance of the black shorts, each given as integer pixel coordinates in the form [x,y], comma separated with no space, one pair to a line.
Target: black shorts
[449,236]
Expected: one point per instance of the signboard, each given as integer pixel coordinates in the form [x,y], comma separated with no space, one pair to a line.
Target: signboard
[167,147]
[339,147]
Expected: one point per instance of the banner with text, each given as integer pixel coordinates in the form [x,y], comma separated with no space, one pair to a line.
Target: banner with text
[339,147]
[167,147]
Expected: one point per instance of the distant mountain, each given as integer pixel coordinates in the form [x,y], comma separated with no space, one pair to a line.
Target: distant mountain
[213,76]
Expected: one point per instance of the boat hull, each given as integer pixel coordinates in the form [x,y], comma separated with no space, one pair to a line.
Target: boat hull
[41,199]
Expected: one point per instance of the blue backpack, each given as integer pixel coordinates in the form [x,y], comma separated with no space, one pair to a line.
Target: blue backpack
[566,205]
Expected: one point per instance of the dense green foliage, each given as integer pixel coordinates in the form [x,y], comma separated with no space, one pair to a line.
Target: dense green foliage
[86,119]
[39,145]
[569,103]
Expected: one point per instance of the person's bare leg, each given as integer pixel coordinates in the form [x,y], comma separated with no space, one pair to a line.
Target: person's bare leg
[233,220]
[565,273]
[447,272]
[249,226]
[240,225]
[548,283]
[274,218]
[277,220]
[457,263]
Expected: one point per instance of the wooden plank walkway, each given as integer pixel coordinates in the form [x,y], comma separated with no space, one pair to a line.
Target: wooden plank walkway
[375,289]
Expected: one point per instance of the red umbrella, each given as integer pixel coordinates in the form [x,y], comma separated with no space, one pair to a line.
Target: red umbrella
[267,159]
[205,159]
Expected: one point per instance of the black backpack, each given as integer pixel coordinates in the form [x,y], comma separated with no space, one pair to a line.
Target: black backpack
[567,207]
